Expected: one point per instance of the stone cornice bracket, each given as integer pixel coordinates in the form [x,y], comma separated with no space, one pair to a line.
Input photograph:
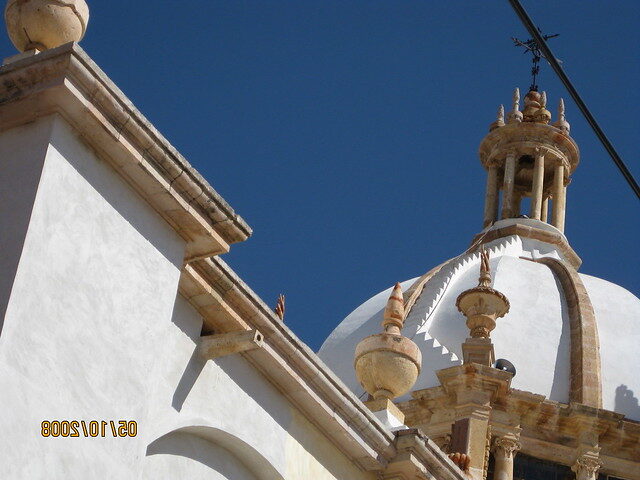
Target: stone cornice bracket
[223,344]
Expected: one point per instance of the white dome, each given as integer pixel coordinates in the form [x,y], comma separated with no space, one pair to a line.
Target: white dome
[534,335]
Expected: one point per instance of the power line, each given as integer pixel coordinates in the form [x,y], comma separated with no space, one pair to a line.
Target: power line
[542,44]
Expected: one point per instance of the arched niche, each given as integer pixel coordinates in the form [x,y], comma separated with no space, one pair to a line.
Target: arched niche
[197,450]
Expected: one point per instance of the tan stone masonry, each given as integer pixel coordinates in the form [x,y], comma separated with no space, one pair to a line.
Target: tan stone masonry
[586,378]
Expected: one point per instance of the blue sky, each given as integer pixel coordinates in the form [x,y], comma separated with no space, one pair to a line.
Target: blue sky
[346,132]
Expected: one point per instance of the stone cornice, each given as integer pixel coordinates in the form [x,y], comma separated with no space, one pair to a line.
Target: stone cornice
[501,141]
[66,81]
[547,430]
[526,231]
[228,304]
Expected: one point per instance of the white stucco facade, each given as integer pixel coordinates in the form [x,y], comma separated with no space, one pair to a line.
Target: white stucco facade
[95,330]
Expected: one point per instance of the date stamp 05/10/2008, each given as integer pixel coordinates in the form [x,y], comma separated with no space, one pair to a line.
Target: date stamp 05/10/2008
[89,429]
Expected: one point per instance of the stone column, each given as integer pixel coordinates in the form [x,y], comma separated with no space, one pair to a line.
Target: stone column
[536,189]
[507,189]
[504,449]
[491,197]
[559,193]
[545,209]
[517,201]
[586,467]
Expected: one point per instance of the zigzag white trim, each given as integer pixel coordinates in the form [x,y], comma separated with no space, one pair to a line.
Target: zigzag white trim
[426,304]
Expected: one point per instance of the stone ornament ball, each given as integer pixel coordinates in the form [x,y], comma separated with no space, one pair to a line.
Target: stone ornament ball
[44,24]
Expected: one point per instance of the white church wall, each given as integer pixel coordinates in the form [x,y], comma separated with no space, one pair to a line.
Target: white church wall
[94,331]
[22,154]
[185,455]
[98,271]
[232,405]
[535,334]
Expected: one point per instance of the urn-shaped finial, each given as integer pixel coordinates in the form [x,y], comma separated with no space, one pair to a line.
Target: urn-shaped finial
[482,305]
[44,24]
[387,364]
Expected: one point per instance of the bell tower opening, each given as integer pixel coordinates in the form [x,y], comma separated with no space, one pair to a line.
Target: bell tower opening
[529,161]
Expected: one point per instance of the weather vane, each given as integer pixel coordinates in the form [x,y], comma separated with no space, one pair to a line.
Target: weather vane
[532,46]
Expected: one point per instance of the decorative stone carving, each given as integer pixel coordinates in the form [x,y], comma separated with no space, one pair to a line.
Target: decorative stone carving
[506,446]
[499,119]
[587,466]
[387,364]
[515,115]
[482,305]
[504,449]
[44,24]
[562,123]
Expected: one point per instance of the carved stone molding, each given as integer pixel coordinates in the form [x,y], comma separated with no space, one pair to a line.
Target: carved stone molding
[587,466]
[506,446]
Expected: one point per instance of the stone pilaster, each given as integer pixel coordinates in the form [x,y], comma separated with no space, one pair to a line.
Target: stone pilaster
[504,450]
[473,387]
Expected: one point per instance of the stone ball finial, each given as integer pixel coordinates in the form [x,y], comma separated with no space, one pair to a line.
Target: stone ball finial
[44,24]
[387,364]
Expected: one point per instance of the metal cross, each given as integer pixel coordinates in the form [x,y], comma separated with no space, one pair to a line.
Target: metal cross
[532,46]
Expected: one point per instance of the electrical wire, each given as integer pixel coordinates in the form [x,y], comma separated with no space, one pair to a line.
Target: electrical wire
[542,44]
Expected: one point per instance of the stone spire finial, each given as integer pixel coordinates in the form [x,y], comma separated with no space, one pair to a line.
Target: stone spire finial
[387,364]
[562,123]
[499,119]
[394,312]
[515,115]
[44,24]
[485,272]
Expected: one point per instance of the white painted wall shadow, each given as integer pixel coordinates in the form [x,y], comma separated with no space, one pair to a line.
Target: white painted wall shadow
[219,451]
